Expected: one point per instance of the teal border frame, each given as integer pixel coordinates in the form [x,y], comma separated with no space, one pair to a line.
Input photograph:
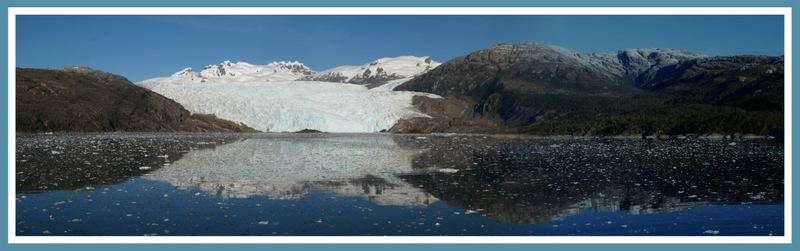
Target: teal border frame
[389,3]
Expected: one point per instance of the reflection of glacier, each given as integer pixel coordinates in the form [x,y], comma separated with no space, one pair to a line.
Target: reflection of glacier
[289,167]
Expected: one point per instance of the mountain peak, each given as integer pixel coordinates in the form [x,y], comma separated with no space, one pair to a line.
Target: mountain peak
[292,66]
[532,46]
[185,72]
[293,62]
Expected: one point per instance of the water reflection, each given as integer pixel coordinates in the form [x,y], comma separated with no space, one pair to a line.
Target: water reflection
[289,167]
[534,181]
[81,161]
[508,179]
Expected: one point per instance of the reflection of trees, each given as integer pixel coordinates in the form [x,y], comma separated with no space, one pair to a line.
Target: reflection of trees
[529,181]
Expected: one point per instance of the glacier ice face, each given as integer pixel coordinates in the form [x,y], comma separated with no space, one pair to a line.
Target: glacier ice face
[289,106]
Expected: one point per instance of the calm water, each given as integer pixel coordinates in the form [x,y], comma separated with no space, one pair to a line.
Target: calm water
[378,184]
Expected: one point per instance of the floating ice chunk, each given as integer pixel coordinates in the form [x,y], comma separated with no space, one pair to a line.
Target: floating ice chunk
[144,168]
[711,232]
[447,170]
[758,196]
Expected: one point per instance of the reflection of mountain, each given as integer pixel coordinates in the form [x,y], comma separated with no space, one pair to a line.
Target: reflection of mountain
[288,167]
[531,181]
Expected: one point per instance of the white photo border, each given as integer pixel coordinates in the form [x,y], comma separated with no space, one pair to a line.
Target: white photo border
[786,12]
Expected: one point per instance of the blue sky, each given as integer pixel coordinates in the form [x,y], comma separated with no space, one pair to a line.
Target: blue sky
[141,47]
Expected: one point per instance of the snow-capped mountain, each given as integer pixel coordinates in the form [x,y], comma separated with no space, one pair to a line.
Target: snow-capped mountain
[228,71]
[372,74]
[377,72]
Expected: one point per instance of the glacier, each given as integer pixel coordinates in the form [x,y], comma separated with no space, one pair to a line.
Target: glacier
[270,98]
[291,106]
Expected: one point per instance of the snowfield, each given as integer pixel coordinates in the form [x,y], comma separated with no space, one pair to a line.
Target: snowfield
[228,71]
[400,67]
[390,85]
[290,106]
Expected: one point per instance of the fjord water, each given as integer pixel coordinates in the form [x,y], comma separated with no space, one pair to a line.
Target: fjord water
[385,184]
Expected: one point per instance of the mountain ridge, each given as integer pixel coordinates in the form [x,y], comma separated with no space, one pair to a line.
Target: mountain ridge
[531,88]
[544,89]
[372,74]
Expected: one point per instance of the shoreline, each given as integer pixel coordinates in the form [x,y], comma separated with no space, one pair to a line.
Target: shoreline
[712,136]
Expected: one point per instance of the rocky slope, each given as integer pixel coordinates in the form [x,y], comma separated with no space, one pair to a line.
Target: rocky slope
[540,88]
[79,99]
